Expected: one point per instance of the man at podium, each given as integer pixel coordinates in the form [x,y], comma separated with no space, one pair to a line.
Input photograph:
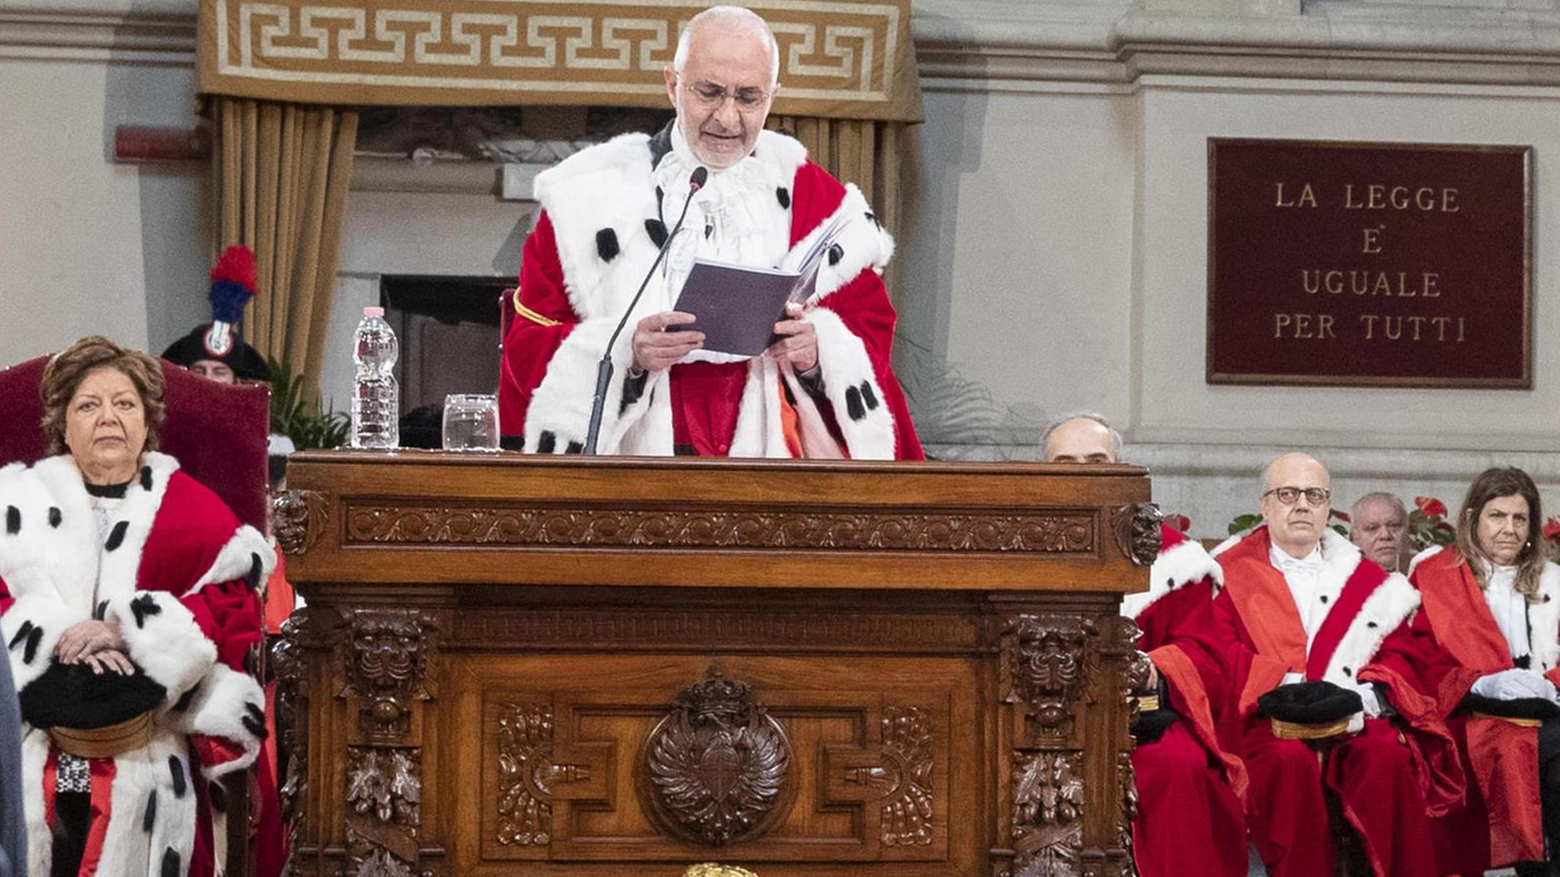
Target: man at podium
[824,388]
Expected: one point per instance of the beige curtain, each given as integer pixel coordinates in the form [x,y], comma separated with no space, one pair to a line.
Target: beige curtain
[861,151]
[282,172]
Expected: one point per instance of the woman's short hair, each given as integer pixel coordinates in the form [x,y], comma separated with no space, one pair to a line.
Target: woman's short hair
[68,368]
[1495,483]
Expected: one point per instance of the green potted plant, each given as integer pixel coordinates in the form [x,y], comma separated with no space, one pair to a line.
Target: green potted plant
[302,419]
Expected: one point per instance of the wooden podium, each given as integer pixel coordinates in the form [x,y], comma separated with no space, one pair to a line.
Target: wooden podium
[520,665]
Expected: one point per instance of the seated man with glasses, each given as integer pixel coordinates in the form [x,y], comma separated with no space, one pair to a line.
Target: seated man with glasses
[823,388]
[1300,603]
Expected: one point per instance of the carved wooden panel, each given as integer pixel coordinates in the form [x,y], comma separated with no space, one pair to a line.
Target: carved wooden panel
[1048,813]
[457,525]
[1069,677]
[767,758]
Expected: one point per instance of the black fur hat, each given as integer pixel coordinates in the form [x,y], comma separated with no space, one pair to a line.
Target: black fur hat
[1314,702]
[72,696]
[1536,708]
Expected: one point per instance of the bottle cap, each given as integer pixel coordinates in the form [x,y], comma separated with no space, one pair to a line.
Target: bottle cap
[373,312]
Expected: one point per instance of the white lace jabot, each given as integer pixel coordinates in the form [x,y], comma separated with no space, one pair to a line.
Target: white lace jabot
[726,223]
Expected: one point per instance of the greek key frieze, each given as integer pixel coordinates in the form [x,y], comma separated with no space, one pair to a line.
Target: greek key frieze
[832,50]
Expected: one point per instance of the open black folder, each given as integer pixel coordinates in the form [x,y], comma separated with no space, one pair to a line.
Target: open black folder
[737,306]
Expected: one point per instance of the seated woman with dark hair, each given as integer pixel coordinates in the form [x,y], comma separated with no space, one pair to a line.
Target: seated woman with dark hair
[1491,612]
[128,597]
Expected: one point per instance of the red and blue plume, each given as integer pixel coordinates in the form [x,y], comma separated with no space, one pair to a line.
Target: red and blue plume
[232,284]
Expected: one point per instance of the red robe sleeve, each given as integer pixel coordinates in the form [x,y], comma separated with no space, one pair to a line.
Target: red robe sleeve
[543,319]
[863,304]
[229,615]
[1181,637]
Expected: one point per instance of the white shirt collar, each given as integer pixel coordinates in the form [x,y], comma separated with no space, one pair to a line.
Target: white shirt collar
[1287,563]
[1508,607]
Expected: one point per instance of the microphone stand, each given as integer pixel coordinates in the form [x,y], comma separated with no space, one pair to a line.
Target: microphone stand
[598,403]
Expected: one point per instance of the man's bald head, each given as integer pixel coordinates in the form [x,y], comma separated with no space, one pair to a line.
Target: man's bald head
[1082,439]
[1295,526]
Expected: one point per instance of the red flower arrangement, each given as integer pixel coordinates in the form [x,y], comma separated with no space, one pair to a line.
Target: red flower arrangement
[1427,524]
[1552,528]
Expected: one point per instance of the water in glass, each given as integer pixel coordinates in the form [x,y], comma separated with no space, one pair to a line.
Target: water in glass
[470,422]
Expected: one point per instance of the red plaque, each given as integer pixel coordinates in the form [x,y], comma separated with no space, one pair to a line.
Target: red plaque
[1369,264]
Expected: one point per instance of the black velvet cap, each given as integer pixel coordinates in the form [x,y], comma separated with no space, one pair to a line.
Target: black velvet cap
[1152,724]
[72,696]
[1537,708]
[1314,702]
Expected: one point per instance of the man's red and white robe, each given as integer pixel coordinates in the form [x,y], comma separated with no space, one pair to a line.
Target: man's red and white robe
[603,221]
[1190,818]
[177,571]
[1392,775]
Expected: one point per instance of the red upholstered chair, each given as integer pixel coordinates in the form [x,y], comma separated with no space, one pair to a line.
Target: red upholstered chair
[218,434]
[506,311]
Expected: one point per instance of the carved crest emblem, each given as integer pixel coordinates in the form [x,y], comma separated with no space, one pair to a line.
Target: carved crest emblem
[715,767]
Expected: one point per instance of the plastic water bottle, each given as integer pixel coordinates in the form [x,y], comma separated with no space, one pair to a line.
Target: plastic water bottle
[376,399]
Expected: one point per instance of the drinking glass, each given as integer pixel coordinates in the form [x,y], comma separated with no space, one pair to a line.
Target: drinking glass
[470,422]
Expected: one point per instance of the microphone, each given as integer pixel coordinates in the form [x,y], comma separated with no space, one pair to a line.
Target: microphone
[604,369]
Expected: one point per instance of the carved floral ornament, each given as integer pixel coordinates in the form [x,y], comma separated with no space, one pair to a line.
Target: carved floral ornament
[1047,814]
[402,524]
[717,766]
[527,774]
[384,792]
[904,777]
[386,784]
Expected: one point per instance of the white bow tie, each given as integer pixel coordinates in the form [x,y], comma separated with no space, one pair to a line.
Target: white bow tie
[1310,563]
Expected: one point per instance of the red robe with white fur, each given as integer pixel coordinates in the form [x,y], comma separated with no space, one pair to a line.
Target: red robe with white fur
[1500,822]
[573,290]
[1392,775]
[1190,819]
[181,557]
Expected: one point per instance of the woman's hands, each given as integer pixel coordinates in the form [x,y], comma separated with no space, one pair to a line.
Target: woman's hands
[96,643]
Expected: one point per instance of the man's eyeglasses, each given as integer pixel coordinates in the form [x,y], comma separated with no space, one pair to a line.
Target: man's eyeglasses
[1288,495]
[712,96]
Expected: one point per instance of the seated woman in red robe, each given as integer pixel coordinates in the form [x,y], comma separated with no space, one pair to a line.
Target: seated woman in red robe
[128,598]
[1491,606]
